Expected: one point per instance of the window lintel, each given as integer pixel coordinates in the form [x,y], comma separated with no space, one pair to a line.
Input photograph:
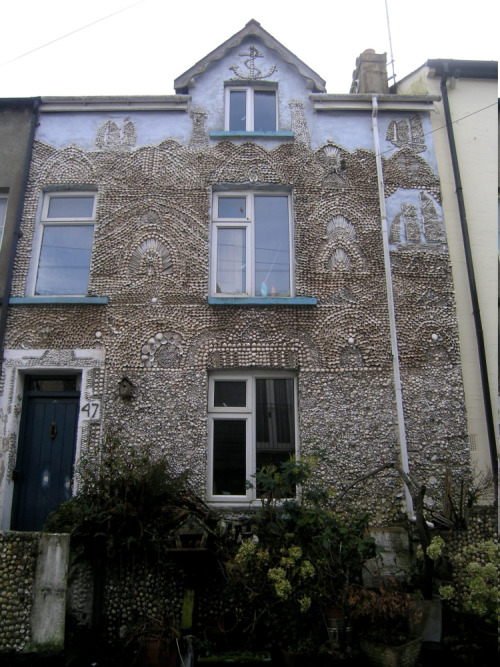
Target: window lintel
[251,83]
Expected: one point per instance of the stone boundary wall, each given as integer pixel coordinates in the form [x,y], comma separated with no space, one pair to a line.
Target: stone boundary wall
[33,579]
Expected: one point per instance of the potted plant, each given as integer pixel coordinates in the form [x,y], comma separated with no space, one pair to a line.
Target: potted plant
[155,641]
[383,617]
[427,597]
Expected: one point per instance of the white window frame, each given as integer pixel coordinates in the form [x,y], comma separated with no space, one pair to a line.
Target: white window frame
[44,220]
[249,102]
[246,413]
[248,225]
[3,197]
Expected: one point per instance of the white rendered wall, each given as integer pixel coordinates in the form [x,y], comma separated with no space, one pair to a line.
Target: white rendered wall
[474,114]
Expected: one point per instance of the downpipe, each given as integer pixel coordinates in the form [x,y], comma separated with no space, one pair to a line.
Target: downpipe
[403,449]
[481,348]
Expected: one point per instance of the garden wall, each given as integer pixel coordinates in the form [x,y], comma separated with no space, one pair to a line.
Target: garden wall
[33,582]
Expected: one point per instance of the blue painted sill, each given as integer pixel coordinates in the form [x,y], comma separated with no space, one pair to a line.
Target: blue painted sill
[262,301]
[265,135]
[78,300]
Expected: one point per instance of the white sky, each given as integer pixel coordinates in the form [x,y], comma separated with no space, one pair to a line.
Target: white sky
[142,50]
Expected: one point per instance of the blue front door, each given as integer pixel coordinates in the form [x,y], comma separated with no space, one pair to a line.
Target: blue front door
[44,469]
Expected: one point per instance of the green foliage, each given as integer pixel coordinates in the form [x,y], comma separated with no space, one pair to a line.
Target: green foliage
[302,559]
[128,503]
[478,564]
[337,543]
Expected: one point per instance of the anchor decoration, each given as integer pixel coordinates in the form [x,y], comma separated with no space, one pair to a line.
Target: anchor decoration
[254,72]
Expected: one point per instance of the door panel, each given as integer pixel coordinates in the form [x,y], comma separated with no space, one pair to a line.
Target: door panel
[45,461]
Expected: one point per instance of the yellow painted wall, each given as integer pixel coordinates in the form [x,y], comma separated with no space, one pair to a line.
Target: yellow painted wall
[474,111]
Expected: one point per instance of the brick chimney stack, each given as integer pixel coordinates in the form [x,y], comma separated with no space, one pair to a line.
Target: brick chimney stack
[370,75]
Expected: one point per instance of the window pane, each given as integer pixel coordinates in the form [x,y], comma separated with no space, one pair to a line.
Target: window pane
[71,207]
[3,210]
[230,394]
[264,119]
[272,251]
[232,207]
[237,110]
[65,260]
[61,384]
[229,457]
[274,415]
[274,423]
[231,260]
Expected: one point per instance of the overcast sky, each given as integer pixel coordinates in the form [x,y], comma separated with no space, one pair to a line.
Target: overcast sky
[143,49]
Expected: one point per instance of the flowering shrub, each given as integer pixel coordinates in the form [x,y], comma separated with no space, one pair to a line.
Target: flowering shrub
[283,576]
[435,548]
[476,586]
[480,572]
[301,561]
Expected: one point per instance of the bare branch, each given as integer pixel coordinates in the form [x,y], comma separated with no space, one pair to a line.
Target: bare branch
[360,479]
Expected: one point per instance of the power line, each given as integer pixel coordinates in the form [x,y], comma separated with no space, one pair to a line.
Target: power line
[73,32]
[457,120]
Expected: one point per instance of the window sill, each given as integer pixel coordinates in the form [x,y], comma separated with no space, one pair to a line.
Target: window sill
[264,135]
[261,301]
[78,300]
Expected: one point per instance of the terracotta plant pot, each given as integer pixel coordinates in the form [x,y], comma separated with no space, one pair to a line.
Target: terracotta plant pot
[158,653]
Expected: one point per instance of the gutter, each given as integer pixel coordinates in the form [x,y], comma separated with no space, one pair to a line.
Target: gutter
[363,102]
[481,348]
[403,448]
[115,103]
[17,229]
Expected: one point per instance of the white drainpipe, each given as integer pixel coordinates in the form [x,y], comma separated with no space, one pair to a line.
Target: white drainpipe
[390,302]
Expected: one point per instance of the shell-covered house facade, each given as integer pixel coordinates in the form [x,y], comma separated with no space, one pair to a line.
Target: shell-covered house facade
[245,270]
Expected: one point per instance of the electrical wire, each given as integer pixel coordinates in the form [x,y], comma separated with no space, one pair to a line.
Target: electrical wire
[443,127]
[73,32]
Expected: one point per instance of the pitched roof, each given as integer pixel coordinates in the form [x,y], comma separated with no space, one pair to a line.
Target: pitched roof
[253,29]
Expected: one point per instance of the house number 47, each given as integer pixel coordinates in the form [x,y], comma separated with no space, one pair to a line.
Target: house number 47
[91,410]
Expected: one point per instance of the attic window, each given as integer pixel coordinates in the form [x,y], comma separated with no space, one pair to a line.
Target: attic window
[250,109]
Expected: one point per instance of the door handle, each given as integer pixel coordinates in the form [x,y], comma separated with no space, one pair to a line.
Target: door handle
[52,430]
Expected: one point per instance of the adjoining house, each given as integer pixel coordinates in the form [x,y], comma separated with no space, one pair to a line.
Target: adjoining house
[248,269]
[17,127]
[466,145]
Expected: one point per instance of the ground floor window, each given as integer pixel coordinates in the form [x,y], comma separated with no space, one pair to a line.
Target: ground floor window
[251,424]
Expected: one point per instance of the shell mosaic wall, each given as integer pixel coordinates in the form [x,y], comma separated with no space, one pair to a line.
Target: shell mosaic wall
[18,553]
[151,258]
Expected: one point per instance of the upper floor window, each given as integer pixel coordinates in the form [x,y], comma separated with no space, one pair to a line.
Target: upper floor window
[67,231]
[251,425]
[250,109]
[3,211]
[251,242]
